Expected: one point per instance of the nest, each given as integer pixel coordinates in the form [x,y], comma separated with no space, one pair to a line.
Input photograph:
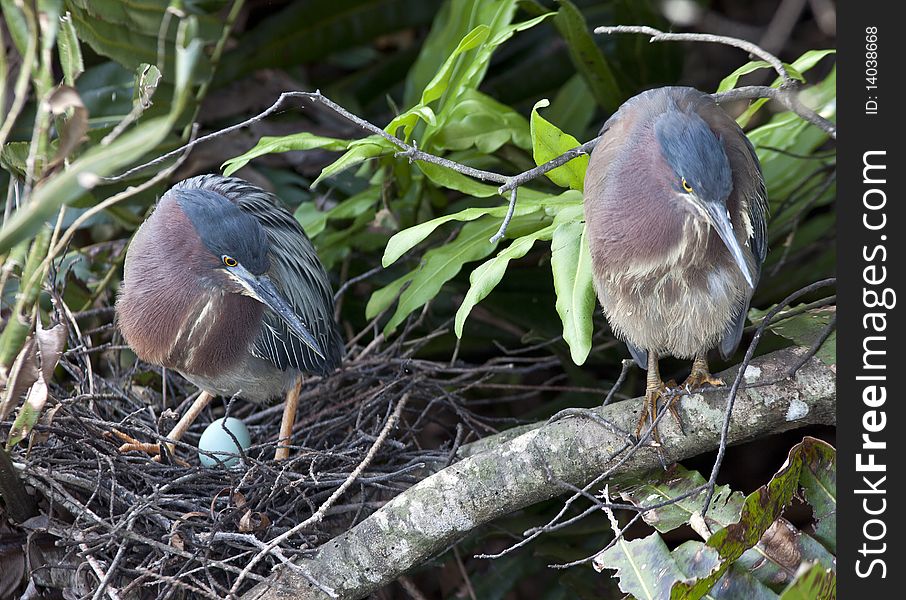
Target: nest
[141,528]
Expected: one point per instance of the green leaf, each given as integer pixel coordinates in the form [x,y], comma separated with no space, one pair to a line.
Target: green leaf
[573,108]
[352,207]
[817,583]
[486,276]
[803,64]
[286,143]
[587,57]
[409,119]
[571,267]
[359,151]
[405,240]
[313,221]
[438,85]
[548,142]
[804,329]
[658,486]
[441,264]
[760,510]
[644,567]
[800,66]
[695,559]
[819,486]
[70,51]
[384,297]
[477,120]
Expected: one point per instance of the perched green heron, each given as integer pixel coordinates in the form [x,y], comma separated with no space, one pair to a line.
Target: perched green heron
[222,285]
[675,209]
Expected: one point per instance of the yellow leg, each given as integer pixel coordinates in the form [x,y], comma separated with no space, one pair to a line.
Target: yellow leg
[288,420]
[700,374]
[654,391]
[187,419]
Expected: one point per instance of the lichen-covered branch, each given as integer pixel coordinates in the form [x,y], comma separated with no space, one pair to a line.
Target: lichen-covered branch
[516,468]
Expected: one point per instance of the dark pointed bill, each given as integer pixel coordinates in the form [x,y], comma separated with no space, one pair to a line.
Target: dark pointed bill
[720,220]
[264,291]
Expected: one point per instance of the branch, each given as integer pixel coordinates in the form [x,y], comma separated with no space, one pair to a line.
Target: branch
[787,94]
[516,468]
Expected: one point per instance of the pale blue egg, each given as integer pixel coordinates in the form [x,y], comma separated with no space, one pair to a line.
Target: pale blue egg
[218,442]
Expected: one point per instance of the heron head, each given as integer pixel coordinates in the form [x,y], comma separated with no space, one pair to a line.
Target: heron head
[702,179]
[240,255]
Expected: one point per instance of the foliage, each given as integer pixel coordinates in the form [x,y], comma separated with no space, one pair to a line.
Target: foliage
[749,549]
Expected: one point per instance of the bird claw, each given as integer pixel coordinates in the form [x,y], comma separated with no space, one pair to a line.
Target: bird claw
[650,410]
[698,379]
[130,444]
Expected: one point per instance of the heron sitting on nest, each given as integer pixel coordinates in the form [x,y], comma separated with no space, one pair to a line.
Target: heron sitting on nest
[675,210]
[222,285]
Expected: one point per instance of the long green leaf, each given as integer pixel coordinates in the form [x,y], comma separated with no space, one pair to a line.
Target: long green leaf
[358,152]
[587,57]
[70,52]
[571,267]
[287,143]
[486,276]
[439,265]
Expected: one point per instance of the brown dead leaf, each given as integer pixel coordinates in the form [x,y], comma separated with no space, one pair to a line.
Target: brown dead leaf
[22,375]
[253,521]
[75,127]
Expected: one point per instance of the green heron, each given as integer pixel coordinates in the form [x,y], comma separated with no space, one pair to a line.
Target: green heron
[675,208]
[222,285]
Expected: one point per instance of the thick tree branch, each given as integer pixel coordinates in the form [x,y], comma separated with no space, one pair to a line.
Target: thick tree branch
[516,468]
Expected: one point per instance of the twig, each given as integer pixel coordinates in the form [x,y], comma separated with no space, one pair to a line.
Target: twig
[786,94]
[661,36]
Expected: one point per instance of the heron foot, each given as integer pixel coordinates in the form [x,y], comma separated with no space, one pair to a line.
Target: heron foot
[130,444]
[650,410]
[698,378]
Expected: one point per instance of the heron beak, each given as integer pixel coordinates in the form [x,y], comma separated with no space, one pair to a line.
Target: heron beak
[264,291]
[720,221]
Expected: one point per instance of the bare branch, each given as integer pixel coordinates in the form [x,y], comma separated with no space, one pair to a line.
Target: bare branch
[787,94]
[661,36]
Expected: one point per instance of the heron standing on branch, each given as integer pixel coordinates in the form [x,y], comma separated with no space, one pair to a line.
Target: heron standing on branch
[675,210]
[222,285]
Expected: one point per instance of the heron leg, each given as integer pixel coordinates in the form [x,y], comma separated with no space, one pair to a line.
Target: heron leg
[130,444]
[700,375]
[288,420]
[654,390]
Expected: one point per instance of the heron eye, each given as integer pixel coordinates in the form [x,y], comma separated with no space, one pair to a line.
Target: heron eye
[686,186]
[230,261]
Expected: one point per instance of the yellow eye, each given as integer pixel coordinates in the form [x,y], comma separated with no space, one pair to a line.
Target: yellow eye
[230,261]
[686,186]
